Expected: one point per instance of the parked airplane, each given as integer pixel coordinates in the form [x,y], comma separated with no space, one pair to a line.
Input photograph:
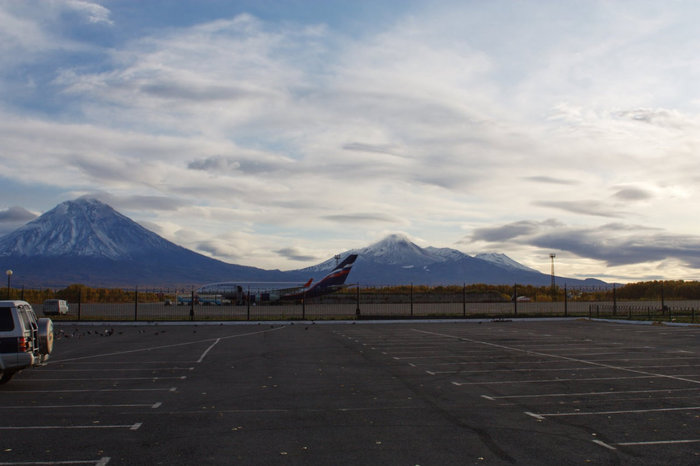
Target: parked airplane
[237,292]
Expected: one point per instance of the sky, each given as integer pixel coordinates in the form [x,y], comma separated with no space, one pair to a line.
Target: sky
[279,133]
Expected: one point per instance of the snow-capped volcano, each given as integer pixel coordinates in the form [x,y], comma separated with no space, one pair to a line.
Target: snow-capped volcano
[396,250]
[396,260]
[84,227]
[86,241]
[399,250]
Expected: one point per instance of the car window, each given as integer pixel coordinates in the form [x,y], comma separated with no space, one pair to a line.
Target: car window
[26,318]
[6,321]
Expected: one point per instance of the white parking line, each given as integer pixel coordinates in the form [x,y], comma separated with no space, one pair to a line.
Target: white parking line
[204,354]
[101,462]
[653,442]
[171,389]
[602,413]
[135,426]
[588,379]
[135,405]
[174,345]
[620,392]
[122,370]
[179,377]
[489,371]
[658,442]
[536,353]
[603,444]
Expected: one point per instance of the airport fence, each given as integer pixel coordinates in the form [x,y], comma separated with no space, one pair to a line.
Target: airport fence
[366,303]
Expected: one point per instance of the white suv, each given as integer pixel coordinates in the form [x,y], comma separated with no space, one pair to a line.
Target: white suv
[25,341]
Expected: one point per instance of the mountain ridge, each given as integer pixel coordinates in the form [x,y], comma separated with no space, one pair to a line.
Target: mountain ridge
[86,241]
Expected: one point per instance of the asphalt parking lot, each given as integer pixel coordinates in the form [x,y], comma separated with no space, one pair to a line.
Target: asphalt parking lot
[415,393]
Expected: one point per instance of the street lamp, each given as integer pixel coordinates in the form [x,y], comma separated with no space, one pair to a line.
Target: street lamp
[552,256]
[9,275]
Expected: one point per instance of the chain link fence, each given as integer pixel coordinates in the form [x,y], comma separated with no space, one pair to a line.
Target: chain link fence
[364,303]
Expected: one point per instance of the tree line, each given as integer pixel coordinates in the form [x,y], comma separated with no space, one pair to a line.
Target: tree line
[648,290]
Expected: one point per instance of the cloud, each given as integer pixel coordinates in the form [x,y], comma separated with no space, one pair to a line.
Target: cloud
[93,12]
[363,218]
[594,208]
[248,162]
[661,117]
[16,214]
[551,180]
[632,194]
[281,129]
[136,202]
[615,244]
[510,231]
[374,148]
[295,255]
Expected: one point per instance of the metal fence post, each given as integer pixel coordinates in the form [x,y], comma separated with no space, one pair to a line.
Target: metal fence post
[464,300]
[566,302]
[303,306]
[192,304]
[80,293]
[357,309]
[248,305]
[136,304]
[411,299]
[515,299]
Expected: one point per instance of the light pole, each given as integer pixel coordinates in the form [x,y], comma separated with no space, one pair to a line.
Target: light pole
[9,275]
[552,256]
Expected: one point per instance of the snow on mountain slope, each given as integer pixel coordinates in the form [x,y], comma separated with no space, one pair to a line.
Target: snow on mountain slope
[396,250]
[503,261]
[84,227]
[399,250]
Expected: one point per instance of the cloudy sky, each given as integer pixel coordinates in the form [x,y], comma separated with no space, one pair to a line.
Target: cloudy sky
[278,133]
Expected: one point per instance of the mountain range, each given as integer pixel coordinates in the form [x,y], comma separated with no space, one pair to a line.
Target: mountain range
[86,241]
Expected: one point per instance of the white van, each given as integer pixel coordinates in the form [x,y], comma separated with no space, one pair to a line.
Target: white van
[55,306]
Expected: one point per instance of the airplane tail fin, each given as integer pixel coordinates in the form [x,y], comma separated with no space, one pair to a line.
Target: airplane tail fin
[338,275]
[308,284]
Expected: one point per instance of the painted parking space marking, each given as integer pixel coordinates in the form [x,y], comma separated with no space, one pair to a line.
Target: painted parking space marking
[144,369]
[604,445]
[604,413]
[658,442]
[174,345]
[73,406]
[646,443]
[206,351]
[616,392]
[135,426]
[100,462]
[587,379]
[594,363]
[489,371]
[181,377]
[549,361]
[170,389]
